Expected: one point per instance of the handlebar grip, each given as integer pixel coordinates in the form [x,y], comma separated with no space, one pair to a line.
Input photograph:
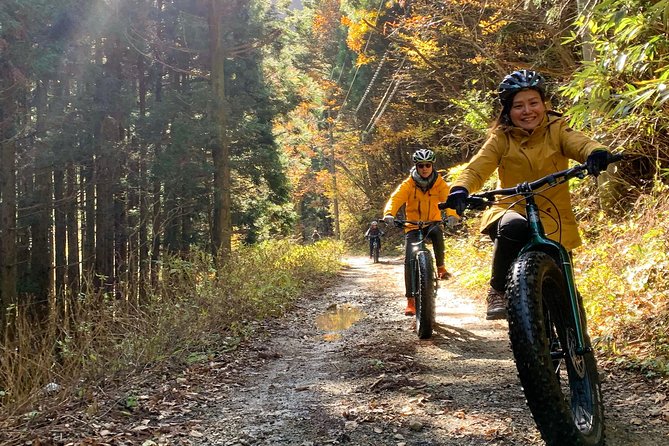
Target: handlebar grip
[615,157]
[478,202]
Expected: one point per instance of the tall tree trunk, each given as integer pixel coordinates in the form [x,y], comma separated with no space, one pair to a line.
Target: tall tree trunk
[143,192]
[60,205]
[156,194]
[40,251]
[104,210]
[72,225]
[60,234]
[222,221]
[8,270]
[133,192]
[88,260]
[120,224]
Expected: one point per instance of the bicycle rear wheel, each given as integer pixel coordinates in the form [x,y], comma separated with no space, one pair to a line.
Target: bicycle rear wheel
[425,308]
[562,387]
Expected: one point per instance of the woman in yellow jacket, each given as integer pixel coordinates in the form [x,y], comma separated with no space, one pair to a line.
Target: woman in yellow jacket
[421,192]
[527,142]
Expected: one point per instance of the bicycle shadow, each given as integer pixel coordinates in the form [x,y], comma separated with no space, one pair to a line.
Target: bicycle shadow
[460,341]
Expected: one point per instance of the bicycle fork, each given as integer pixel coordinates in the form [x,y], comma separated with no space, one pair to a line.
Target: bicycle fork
[539,239]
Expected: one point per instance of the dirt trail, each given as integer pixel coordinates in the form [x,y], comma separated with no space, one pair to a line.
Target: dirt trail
[362,378]
[375,383]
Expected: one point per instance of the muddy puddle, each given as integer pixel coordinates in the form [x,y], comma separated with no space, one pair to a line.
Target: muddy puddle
[338,318]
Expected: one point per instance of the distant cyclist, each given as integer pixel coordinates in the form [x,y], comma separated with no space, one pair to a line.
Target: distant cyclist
[315,236]
[421,192]
[374,233]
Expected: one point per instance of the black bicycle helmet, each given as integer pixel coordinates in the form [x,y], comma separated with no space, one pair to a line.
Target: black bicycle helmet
[518,81]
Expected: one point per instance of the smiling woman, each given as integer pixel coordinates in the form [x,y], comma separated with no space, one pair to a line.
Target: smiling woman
[527,142]
[527,109]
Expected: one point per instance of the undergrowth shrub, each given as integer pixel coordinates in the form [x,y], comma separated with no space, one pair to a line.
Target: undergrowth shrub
[468,257]
[624,274]
[195,312]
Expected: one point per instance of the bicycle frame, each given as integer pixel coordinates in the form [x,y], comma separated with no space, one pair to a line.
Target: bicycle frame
[538,239]
[539,242]
[418,246]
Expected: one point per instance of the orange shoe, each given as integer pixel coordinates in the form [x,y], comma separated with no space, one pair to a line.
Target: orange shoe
[442,273]
[411,307]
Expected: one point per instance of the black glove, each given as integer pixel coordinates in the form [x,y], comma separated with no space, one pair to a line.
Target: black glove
[597,161]
[456,200]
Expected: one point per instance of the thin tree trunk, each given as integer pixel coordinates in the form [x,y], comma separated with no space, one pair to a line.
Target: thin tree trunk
[88,186]
[222,224]
[60,205]
[60,234]
[40,250]
[104,210]
[72,225]
[8,271]
[156,205]
[143,193]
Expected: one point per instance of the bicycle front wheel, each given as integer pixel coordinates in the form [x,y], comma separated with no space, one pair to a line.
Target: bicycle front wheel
[561,386]
[376,252]
[425,308]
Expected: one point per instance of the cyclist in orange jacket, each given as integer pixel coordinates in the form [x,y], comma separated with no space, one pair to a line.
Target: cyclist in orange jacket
[421,192]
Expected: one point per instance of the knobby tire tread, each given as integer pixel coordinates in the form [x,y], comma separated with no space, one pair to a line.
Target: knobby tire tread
[425,310]
[527,331]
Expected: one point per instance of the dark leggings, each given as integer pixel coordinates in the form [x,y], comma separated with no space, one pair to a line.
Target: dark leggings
[509,234]
[437,237]
[371,243]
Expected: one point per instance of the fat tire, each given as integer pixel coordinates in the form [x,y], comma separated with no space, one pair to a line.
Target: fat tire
[425,311]
[539,306]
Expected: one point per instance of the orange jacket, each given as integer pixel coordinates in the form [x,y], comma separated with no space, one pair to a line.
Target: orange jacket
[420,206]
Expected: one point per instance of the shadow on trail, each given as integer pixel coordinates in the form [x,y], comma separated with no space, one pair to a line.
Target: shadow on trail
[452,333]
[458,340]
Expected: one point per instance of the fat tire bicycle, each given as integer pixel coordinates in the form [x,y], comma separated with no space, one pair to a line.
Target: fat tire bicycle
[547,326]
[423,276]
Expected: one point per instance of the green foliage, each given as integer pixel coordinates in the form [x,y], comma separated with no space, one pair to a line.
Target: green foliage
[476,107]
[477,249]
[622,94]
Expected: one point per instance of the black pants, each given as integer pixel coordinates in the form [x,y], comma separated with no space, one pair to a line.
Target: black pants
[371,244]
[436,235]
[509,234]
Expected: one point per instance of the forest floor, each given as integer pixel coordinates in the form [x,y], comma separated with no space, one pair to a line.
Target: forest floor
[345,367]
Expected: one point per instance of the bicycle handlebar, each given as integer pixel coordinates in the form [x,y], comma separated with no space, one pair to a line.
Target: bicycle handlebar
[421,224]
[486,199]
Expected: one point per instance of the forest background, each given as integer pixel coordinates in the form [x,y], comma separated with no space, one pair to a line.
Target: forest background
[154,152]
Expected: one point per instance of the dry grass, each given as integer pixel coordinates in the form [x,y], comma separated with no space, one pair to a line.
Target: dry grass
[195,313]
[623,271]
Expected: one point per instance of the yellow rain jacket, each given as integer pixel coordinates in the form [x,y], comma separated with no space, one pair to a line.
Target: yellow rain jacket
[520,156]
[420,206]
